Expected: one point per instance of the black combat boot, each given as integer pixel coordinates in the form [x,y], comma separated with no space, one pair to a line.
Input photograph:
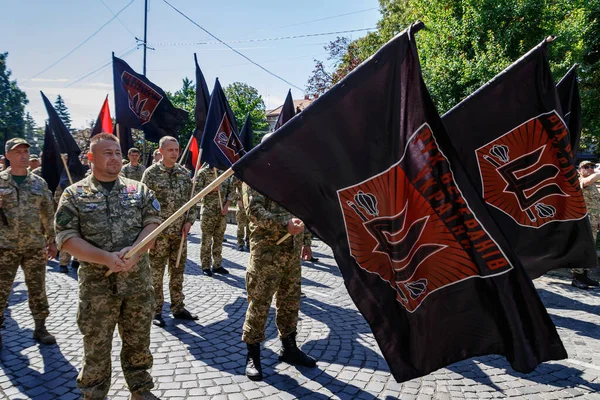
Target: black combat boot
[253,367]
[587,280]
[291,354]
[578,282]
[41,334]
[185,314]
[158,320]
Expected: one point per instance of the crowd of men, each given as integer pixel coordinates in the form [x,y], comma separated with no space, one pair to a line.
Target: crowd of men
[100,218]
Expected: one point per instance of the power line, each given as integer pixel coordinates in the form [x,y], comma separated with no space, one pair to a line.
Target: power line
[159,44]
[101,67]
[82,43]
[118,19]
[232,49]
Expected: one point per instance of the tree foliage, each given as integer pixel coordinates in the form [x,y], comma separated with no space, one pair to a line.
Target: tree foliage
[245,100]
[185,98]
[63,111]
[12,104]
[466,43]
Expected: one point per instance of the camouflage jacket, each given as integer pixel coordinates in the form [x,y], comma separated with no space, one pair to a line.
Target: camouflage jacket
[110,221]
[37,171]
[131,172]
[173,188]
[29,211]
[210,202]
[237,189]
[268,221]
[592,200]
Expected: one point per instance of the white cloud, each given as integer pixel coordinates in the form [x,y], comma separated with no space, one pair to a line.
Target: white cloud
[49,80]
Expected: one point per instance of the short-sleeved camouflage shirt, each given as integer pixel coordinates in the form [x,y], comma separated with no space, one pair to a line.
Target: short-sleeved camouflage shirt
[110,221]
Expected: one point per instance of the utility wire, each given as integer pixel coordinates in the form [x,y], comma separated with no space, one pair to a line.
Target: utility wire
[102,66]
[160,44]
[232,49]
[118,19]
[82,43]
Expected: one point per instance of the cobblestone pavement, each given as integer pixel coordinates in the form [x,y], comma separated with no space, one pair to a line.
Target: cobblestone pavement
[205,358]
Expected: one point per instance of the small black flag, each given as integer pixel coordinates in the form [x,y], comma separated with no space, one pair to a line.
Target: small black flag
[287,111]
[140,104]
[200,115]
[246,135]
[570,102]
[52,166]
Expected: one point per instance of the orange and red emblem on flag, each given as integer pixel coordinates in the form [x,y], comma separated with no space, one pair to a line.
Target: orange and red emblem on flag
[227,141]
[142,99]
[525,174]
[401,229]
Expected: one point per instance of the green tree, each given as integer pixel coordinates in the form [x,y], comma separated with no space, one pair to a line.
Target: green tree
[63,111]
[32,134]
[12,104]
[467,43]
[244,99]
[185,98]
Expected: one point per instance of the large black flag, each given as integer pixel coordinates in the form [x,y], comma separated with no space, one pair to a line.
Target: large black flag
[370,169]
[65,143]
[125,139]
[221,145]
[140,104]
[287,111]
[246,135]
[51,164]
[568,94]
[517,152]
[200,115]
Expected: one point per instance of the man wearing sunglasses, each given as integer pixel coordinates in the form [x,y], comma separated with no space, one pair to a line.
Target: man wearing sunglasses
[588,179]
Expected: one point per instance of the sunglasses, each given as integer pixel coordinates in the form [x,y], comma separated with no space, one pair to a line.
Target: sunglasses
[587,166]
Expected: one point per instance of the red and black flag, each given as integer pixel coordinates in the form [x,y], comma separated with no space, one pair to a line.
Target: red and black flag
[221,145]
[52,165]
[370,169]
[104,121]
[140,104]
[200,115]
[517,151]
[287,111]
[246,135]
[570,102]
[65,144]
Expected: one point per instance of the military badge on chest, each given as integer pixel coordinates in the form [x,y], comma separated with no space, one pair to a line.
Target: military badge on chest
[129,197]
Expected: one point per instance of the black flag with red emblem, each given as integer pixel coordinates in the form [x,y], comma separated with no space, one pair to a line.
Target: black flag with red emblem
[517,151]
[287,111]
[370,169]
[221,145]
[140,104]
[570,102]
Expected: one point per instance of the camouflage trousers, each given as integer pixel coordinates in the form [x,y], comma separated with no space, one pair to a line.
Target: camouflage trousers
[243,234]
[33,262]
[213,232]
[163,254]
[594,220]
[272,272]
[97,317]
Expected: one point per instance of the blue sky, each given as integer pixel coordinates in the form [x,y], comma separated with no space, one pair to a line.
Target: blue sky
[38,33]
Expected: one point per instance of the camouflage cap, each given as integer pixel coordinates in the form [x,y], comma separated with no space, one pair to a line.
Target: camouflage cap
[33,157]
[14,142]
[586,162]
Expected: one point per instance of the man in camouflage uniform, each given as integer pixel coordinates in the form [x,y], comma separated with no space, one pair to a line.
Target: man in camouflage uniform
[588,179]
[134,170]
[38,169]
[26,211]
[98,220]
[34,162]
[274,270]
[213,221]
[243,234]
[173,186]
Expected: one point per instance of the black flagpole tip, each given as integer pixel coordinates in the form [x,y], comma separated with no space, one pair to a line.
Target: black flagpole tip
[417,26]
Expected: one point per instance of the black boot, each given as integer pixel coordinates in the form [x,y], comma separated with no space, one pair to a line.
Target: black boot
[158,320]
[291,354]
[64,269]
[41,334]
[75,264]
[253,367]
[587,280]
[578,282]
